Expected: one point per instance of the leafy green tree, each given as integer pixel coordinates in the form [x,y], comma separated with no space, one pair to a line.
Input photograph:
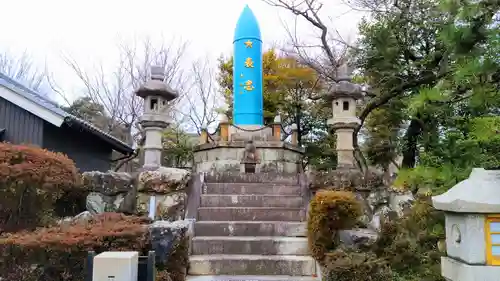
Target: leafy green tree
[90,111]
[177,148]
[419,60]
[435,75]
[449,120]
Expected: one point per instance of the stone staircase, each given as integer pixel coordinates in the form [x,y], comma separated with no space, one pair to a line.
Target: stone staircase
[254,230]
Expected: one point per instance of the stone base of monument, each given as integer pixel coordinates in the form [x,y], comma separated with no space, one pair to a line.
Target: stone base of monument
[251,132]
[270,157]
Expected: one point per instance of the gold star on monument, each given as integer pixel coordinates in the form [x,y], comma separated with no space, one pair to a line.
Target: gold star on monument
[249,63]
[248,44]
[249,85]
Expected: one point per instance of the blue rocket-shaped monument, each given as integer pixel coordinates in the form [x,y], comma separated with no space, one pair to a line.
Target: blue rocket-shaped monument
[247,71]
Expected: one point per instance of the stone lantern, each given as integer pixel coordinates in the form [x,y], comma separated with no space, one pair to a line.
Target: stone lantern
[472,218]
[343,97]
[156,95]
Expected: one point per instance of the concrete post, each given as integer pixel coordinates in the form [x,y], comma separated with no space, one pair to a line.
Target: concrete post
[277,128]
[204,136]
[224,127]
[472,221]
[295,134]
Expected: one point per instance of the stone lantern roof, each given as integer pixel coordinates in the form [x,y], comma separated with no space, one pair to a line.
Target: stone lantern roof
[344,88]
[477,194]
[156,86]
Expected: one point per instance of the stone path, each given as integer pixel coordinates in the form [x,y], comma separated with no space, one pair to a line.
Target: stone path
[251,231]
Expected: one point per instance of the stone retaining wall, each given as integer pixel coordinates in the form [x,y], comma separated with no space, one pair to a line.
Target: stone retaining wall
[130,193]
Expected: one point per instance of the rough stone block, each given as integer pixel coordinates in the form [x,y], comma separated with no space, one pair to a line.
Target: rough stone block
[347,179]
[108,183]
[168,207]
[163,180]
[165,235]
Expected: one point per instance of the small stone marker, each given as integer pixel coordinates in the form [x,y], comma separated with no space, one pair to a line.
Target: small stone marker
[116,266]
[472,218]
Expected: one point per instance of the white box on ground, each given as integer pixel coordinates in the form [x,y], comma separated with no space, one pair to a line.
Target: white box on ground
[116,266]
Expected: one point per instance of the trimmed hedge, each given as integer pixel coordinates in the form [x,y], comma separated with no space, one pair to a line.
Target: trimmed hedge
[32,180]
[59,253]
[330,211]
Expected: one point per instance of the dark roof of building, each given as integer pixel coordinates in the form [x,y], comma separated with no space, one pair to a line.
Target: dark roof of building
[69,119]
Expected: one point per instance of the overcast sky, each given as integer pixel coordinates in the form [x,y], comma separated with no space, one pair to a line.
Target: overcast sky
[89,30]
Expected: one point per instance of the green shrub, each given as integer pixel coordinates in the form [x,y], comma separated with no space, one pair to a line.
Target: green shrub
[347,265]
[330,211]
[410,245]
[31,181]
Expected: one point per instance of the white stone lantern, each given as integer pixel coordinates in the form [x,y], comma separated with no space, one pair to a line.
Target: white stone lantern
[155,119]
[344,121]
[472,218]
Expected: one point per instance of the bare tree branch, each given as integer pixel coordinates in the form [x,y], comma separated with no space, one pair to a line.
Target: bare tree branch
[115,90]
[201,101]
[22,69]
[333,48]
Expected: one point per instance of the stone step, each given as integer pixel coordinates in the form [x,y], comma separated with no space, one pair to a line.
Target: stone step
[253,178]
[251,265]
[251,188]
[250,214]
[246,245]
[250,278]
[234,200]
[250,228]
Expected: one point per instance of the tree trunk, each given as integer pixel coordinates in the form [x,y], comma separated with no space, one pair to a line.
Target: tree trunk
[411,142]
[297,121]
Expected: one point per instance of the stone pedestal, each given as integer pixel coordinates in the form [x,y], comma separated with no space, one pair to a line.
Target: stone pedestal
[116,266]
[344,129]
[153,140]
[472,211]
[272,156]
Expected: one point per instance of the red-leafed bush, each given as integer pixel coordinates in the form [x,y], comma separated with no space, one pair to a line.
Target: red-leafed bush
[31,181]
[59,253]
